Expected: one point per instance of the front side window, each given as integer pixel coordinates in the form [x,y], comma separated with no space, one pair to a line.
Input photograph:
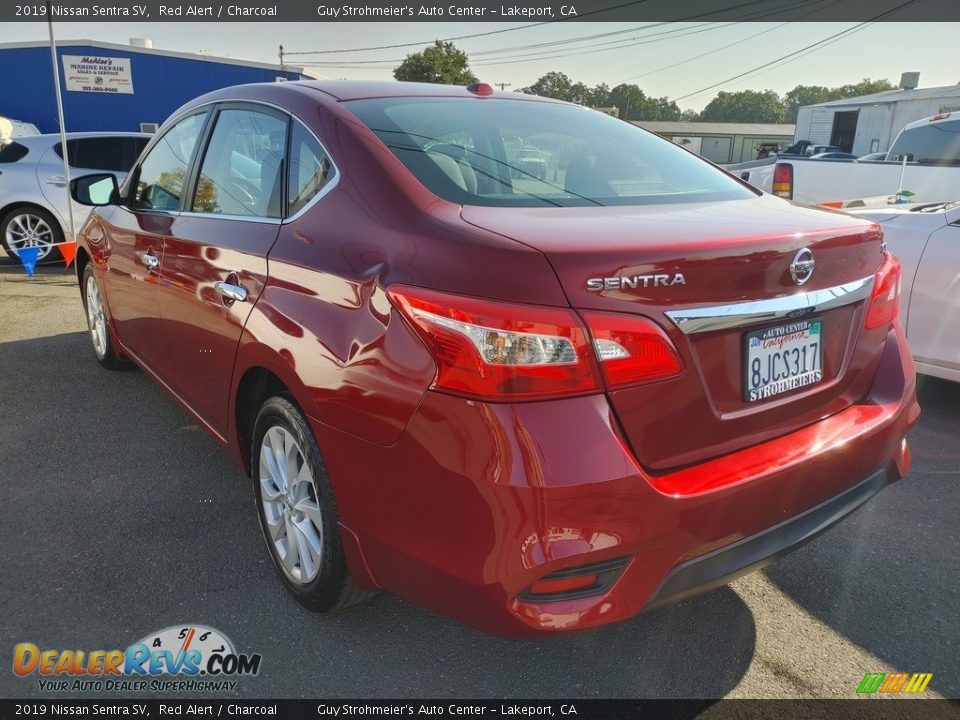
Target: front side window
[310,169]
[163,172]
[518,153]
[241,169]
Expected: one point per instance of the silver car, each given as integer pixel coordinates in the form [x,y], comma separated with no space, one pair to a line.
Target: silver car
[926,238]
[33,189]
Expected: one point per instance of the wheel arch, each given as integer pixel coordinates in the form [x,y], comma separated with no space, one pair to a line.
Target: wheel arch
[262,373]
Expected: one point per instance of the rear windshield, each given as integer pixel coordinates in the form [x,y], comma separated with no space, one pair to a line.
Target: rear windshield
[515,153]
[937,143]
[12,151]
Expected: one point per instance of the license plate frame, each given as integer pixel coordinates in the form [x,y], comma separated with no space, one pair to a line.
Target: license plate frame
[787,357]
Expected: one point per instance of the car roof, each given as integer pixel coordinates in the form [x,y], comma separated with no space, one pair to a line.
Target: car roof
[55,137]
[364,89]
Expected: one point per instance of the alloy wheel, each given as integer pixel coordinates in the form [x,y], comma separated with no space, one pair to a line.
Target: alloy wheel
[29,230]
[96,319]
[291,505]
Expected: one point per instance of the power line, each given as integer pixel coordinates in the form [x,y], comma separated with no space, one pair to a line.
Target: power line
[804,50]
[728,45]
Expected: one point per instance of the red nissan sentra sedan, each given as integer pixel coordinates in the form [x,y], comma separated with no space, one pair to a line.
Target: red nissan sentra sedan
[530,400]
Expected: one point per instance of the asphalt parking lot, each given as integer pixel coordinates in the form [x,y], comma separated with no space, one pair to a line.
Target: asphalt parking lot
[121,517]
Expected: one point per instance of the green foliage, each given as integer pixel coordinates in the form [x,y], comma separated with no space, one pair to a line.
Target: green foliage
[631,101]
[813,94]
[758,106]
[554,85]
[442,63]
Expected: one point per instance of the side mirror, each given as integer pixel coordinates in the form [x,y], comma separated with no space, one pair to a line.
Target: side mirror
[96,190]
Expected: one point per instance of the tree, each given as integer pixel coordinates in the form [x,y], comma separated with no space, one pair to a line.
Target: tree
[442,63]
[864,87]
[554,85]
[661,109]
[599,96]
[690,116]
[802,95]
[629,99]
[744,106]
[579,93]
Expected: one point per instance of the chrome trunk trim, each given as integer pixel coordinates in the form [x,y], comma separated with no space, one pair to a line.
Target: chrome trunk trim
[725,317]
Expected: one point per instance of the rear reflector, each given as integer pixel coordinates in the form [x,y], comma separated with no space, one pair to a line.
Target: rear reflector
[783,180]
[576,582]
[884,304]
[555,586]
[630,349]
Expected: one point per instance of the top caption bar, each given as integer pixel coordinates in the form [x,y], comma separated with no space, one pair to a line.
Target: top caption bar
[482,11]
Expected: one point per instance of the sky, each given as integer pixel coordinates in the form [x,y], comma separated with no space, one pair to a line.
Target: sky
[662,58]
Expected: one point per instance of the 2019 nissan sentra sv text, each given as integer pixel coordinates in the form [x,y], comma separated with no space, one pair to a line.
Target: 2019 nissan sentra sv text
[529,400]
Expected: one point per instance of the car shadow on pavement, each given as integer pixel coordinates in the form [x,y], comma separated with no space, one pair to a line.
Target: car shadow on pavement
[128,519]
[887,577]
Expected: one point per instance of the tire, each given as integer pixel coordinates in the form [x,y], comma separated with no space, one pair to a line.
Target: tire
[98,323]
[312,567]
[31,225]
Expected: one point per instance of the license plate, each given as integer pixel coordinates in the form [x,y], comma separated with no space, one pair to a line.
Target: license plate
[782,358]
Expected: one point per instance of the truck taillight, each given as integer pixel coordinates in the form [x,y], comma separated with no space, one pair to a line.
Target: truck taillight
[496,351]
[884,304]
[783,180]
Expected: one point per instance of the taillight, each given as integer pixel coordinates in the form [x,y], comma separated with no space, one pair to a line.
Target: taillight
[631,349]
[783,180]
[884,304]
[493,350]
[500,351]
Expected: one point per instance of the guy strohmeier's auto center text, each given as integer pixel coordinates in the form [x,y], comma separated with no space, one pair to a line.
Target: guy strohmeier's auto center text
[446,10]
[173,10]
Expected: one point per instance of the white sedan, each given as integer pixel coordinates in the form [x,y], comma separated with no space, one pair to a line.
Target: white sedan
[926,238]
[33,189]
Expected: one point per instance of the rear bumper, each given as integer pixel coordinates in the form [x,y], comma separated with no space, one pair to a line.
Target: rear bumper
[726,564]
[477,501]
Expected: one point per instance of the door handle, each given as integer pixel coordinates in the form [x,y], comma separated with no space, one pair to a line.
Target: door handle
[57,180]
[150,260]
[230,291]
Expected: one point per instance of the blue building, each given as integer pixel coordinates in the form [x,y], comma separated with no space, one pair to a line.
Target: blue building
[106,86]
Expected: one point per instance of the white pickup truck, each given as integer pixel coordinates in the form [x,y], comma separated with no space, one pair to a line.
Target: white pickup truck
[923,164]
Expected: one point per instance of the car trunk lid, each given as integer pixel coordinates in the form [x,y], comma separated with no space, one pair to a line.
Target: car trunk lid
[709,275]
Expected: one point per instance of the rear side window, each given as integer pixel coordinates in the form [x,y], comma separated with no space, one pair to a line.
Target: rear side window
[163,172]
[113,154]
[310,169]
[518,153]
[12,151]
[936,143]
[241,170]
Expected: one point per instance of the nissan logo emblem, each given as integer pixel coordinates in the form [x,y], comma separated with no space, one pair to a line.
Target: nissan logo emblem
[802,266]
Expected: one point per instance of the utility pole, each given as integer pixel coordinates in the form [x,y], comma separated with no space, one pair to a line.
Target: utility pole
[281,57]
[503,86]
